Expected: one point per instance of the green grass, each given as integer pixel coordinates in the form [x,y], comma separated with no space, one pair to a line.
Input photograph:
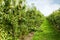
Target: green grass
[47,32]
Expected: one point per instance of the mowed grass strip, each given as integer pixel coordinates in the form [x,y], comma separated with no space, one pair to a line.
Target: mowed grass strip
[47,32]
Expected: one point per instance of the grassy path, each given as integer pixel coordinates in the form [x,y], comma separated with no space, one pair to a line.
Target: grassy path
[47,33]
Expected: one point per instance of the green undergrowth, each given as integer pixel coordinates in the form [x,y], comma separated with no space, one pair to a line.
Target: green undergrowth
[47,32]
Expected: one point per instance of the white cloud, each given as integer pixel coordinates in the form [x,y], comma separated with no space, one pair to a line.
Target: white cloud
[45,6]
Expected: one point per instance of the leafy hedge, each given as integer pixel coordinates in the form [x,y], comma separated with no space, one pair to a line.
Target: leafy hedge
[54,18]
[16,21]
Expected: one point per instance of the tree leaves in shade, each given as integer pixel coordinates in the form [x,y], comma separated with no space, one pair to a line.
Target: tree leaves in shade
[54,18]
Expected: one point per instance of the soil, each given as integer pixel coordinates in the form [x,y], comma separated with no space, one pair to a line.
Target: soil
[29,36]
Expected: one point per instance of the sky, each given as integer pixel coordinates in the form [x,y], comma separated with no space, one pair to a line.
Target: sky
[45,6]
